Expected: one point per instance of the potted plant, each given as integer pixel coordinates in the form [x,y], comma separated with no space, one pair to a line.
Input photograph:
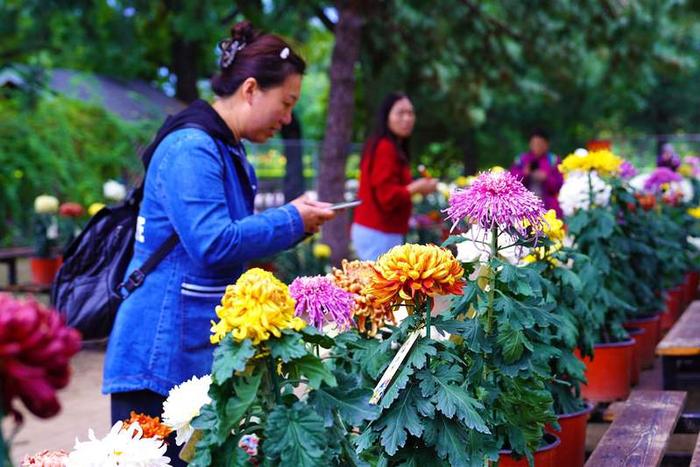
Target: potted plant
[264,365]
[45,262]
[506,335]
[595,232]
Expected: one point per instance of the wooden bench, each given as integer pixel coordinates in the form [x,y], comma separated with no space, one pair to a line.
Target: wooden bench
[9,257]
[639,435]
[695,461]
[681,348]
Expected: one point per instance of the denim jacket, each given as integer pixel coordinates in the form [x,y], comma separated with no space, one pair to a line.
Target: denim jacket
[202,189]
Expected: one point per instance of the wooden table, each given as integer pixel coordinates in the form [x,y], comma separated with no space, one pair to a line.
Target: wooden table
[681,348]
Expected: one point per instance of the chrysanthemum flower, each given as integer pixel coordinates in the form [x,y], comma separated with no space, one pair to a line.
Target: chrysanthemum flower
[694,212]
[46,458]
[575,192]
[554,230]
[497,199]
[627,170]
[659,177]
[476,246]
[122,446]
[407,271]
[355,277]
[320,301]
[151,426]
[183,404]
[256,307]
[603,162]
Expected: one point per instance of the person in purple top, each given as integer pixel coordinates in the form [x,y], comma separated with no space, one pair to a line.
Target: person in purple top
[668,157]
[538,170]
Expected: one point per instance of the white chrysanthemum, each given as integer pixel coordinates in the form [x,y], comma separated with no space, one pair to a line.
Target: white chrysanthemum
[46,204]
[686,189]
[121,447]
[637,182]
[695,241]
[183,404]
[477,247]
[574,193]
[114,190]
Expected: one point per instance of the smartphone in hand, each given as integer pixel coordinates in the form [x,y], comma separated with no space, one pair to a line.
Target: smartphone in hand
[345,205]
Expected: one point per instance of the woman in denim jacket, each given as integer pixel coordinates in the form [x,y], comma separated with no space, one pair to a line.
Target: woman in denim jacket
[201,187]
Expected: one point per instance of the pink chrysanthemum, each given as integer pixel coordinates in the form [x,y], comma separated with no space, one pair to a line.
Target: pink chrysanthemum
[320,301]
[498,199]
[660,176]
[627,170]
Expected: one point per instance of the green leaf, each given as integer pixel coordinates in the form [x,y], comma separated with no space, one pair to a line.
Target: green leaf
[450,398]
[313,369]
[230,356]
[314,336]
[288,347]
[245,391]
[451,442]
[399,420]
[295,436]
[415,360]
[453,240]
[512,342]
[353,405]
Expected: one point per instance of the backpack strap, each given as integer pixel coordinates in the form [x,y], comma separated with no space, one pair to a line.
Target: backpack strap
[138,275]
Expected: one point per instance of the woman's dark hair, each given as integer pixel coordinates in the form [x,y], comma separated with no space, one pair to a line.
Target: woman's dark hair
[381,128]
[251,54]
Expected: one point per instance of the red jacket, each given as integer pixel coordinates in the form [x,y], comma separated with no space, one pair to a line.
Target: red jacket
[386,203]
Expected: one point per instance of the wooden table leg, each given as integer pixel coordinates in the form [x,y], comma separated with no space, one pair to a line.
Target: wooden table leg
[669,368]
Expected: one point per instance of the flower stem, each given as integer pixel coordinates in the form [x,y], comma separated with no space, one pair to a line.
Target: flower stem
[426,305]
[492,279]
[590,191]
[273,379]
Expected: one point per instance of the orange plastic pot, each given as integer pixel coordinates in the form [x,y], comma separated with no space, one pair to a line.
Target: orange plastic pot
[44,269]
[677,293]
[670,313]
[609,372]
[544,457]
[694,281]
[572,450]
[636,367]
[647,341]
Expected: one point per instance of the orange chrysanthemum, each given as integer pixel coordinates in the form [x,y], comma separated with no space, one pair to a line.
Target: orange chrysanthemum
[151,426]
[408,271]
[355,277]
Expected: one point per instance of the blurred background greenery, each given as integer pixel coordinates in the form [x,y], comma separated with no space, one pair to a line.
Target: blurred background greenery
[481,74]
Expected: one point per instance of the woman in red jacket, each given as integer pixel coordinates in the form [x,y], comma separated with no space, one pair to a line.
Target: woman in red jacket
[386,186]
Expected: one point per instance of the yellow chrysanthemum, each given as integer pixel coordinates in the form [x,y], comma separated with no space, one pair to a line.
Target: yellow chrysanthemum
[695,212]
[409,270]
[604,162]
[256,307]
[95,208]
[554,230]
[463,181]
[321,250]
[686,170]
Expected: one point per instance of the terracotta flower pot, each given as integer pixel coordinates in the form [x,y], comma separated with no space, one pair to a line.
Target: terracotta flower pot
[609,373]
[677,293]
[637,335]
[44,269]
[572,450]
[670,313]
[647,341]
[544,456]
[694,281]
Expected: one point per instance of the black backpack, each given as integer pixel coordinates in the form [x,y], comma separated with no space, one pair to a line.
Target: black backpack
[89,286]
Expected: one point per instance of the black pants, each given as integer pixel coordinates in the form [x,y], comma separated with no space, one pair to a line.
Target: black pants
[147,403]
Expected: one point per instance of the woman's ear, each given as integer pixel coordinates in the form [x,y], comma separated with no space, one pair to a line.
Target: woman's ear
[248,89]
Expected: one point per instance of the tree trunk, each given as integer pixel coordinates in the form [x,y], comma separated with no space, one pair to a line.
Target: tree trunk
[293,185]
[184,67]
[471,153]
[341,104]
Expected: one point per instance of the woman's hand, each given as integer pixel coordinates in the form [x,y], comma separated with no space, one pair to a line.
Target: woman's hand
[422,186]
[313,213]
